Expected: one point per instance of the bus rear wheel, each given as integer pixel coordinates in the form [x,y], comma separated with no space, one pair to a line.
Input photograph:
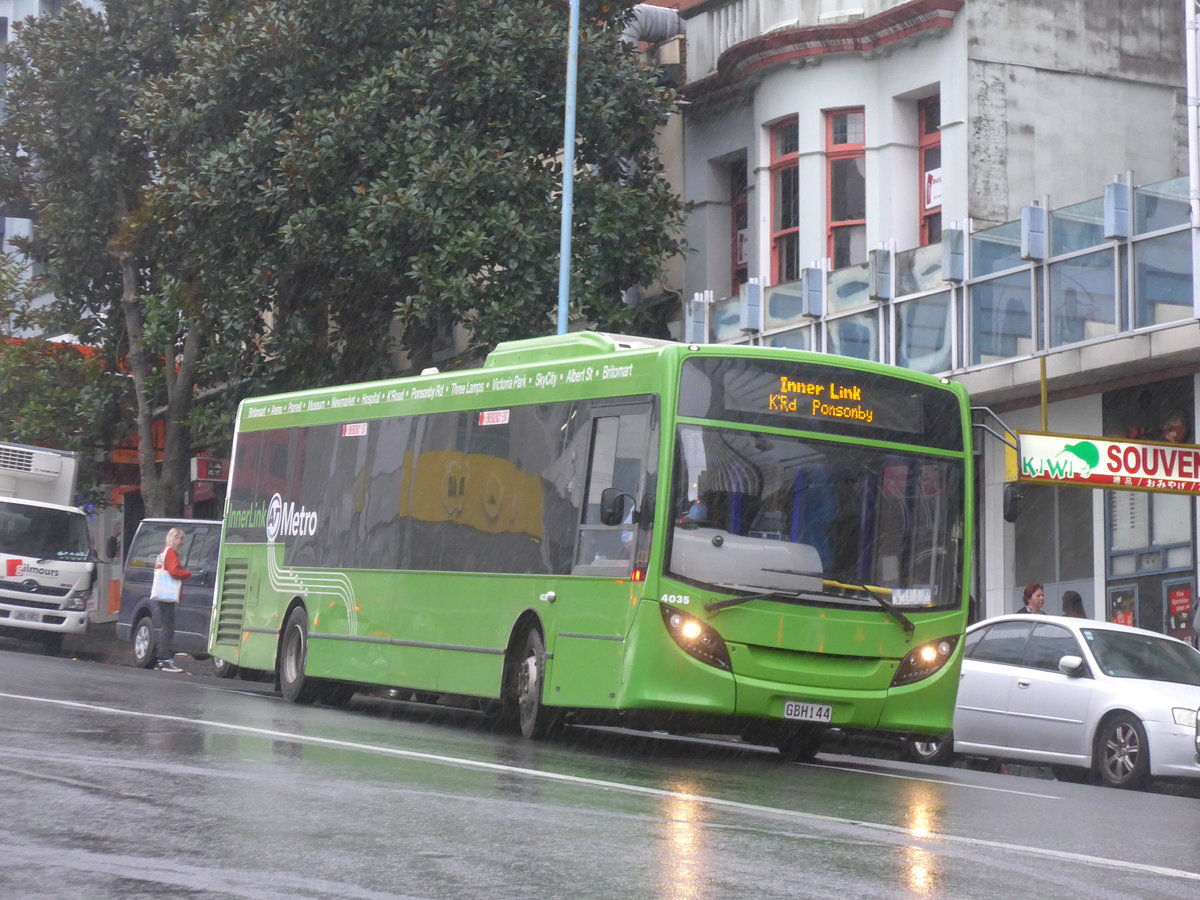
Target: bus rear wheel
[537,721]
[293,650]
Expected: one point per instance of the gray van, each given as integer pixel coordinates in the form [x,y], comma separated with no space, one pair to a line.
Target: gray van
[135,622]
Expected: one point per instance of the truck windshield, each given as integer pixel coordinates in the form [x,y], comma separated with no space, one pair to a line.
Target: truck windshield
[43,533]
[835,523]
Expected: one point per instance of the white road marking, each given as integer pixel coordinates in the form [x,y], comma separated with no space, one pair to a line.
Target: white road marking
[458,762]
[904,777]
[90,785]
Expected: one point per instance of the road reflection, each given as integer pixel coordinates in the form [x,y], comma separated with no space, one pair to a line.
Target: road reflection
[921,869]
[683,820]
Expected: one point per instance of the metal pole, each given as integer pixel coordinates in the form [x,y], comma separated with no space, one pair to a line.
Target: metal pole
[568,178]
[1193,143]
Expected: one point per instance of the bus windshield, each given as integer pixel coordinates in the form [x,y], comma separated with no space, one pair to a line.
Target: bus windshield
[832,522]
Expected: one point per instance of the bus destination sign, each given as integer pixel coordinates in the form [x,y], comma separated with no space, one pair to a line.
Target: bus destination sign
[828,400]
[814,395]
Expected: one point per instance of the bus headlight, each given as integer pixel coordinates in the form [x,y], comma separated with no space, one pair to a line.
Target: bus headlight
[923,661]
[696,639]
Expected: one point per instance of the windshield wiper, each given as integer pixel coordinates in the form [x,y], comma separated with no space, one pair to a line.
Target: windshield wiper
[892,610]
[772,594]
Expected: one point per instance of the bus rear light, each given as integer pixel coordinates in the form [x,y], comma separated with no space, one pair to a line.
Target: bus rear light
[923,661]
[696,639]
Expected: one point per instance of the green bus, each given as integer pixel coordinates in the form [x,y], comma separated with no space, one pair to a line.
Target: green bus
[596,528]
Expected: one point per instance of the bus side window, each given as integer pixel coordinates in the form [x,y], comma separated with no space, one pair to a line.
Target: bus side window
[616,460]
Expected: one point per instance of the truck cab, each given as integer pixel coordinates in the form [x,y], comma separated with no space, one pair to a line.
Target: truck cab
[49,571]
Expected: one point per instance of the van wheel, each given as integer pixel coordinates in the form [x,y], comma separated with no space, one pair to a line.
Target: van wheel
[143,643]
[222,668]
[293,651]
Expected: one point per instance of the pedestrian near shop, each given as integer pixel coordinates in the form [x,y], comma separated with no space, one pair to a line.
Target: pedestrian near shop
[1034,598]
[1073,605]
[169,575]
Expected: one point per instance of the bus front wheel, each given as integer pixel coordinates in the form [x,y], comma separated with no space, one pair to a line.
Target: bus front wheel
[293,649]
[537,720]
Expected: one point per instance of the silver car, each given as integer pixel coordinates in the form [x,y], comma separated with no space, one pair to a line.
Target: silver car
[1089,699]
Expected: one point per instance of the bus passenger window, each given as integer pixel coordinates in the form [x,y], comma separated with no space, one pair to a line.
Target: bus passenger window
[617,460]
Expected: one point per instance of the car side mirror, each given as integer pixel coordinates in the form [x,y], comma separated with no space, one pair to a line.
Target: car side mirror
[616,507]
[1071,665]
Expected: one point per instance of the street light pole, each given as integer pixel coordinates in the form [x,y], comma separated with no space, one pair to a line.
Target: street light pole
[568,179]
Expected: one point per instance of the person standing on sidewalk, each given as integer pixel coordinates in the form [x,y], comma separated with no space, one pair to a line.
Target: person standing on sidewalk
[169,575]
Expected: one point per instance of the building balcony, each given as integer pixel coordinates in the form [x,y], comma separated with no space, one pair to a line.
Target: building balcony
[1096,290]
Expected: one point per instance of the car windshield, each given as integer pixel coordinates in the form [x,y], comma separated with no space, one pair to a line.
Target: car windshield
[1132,655]
[835,522]
[43,533]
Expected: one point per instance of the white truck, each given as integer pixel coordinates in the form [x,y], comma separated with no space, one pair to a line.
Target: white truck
[47,563]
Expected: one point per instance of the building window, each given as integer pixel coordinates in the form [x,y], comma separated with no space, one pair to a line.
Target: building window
[929,119]
[785,202]
[846,186]
[740,221]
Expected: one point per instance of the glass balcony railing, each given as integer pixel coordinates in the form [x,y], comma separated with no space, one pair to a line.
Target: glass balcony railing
[1090,287]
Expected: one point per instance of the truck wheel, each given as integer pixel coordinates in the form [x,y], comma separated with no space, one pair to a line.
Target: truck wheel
[143,643]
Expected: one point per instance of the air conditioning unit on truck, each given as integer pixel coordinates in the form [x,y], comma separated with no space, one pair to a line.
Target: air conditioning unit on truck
[48,565]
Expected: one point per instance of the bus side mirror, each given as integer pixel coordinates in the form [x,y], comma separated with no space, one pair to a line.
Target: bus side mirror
[112,546]
[616,507]
[1013,495]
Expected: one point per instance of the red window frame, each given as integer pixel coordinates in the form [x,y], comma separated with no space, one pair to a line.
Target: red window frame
[845,140]
[785,201]
[929,148]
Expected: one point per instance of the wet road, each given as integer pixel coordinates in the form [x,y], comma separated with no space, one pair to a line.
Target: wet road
[123,783]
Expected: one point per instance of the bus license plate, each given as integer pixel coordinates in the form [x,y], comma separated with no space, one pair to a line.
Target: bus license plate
[807,712]
[24,616]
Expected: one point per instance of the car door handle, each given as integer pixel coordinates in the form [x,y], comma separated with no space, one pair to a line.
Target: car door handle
[1023,682]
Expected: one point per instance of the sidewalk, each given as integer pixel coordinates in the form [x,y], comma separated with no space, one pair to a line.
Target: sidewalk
[99,644]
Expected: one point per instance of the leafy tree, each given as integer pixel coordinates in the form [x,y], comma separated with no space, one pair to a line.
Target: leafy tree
[60,395]
[363,162]
[260,195]
[71,79]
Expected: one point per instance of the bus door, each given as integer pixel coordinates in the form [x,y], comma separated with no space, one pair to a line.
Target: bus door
[592,611]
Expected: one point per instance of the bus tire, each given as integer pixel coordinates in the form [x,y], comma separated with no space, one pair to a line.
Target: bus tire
[295,686]
[143,643]
[537,721]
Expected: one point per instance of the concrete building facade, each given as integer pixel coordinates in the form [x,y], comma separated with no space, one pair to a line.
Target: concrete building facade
[993,190]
